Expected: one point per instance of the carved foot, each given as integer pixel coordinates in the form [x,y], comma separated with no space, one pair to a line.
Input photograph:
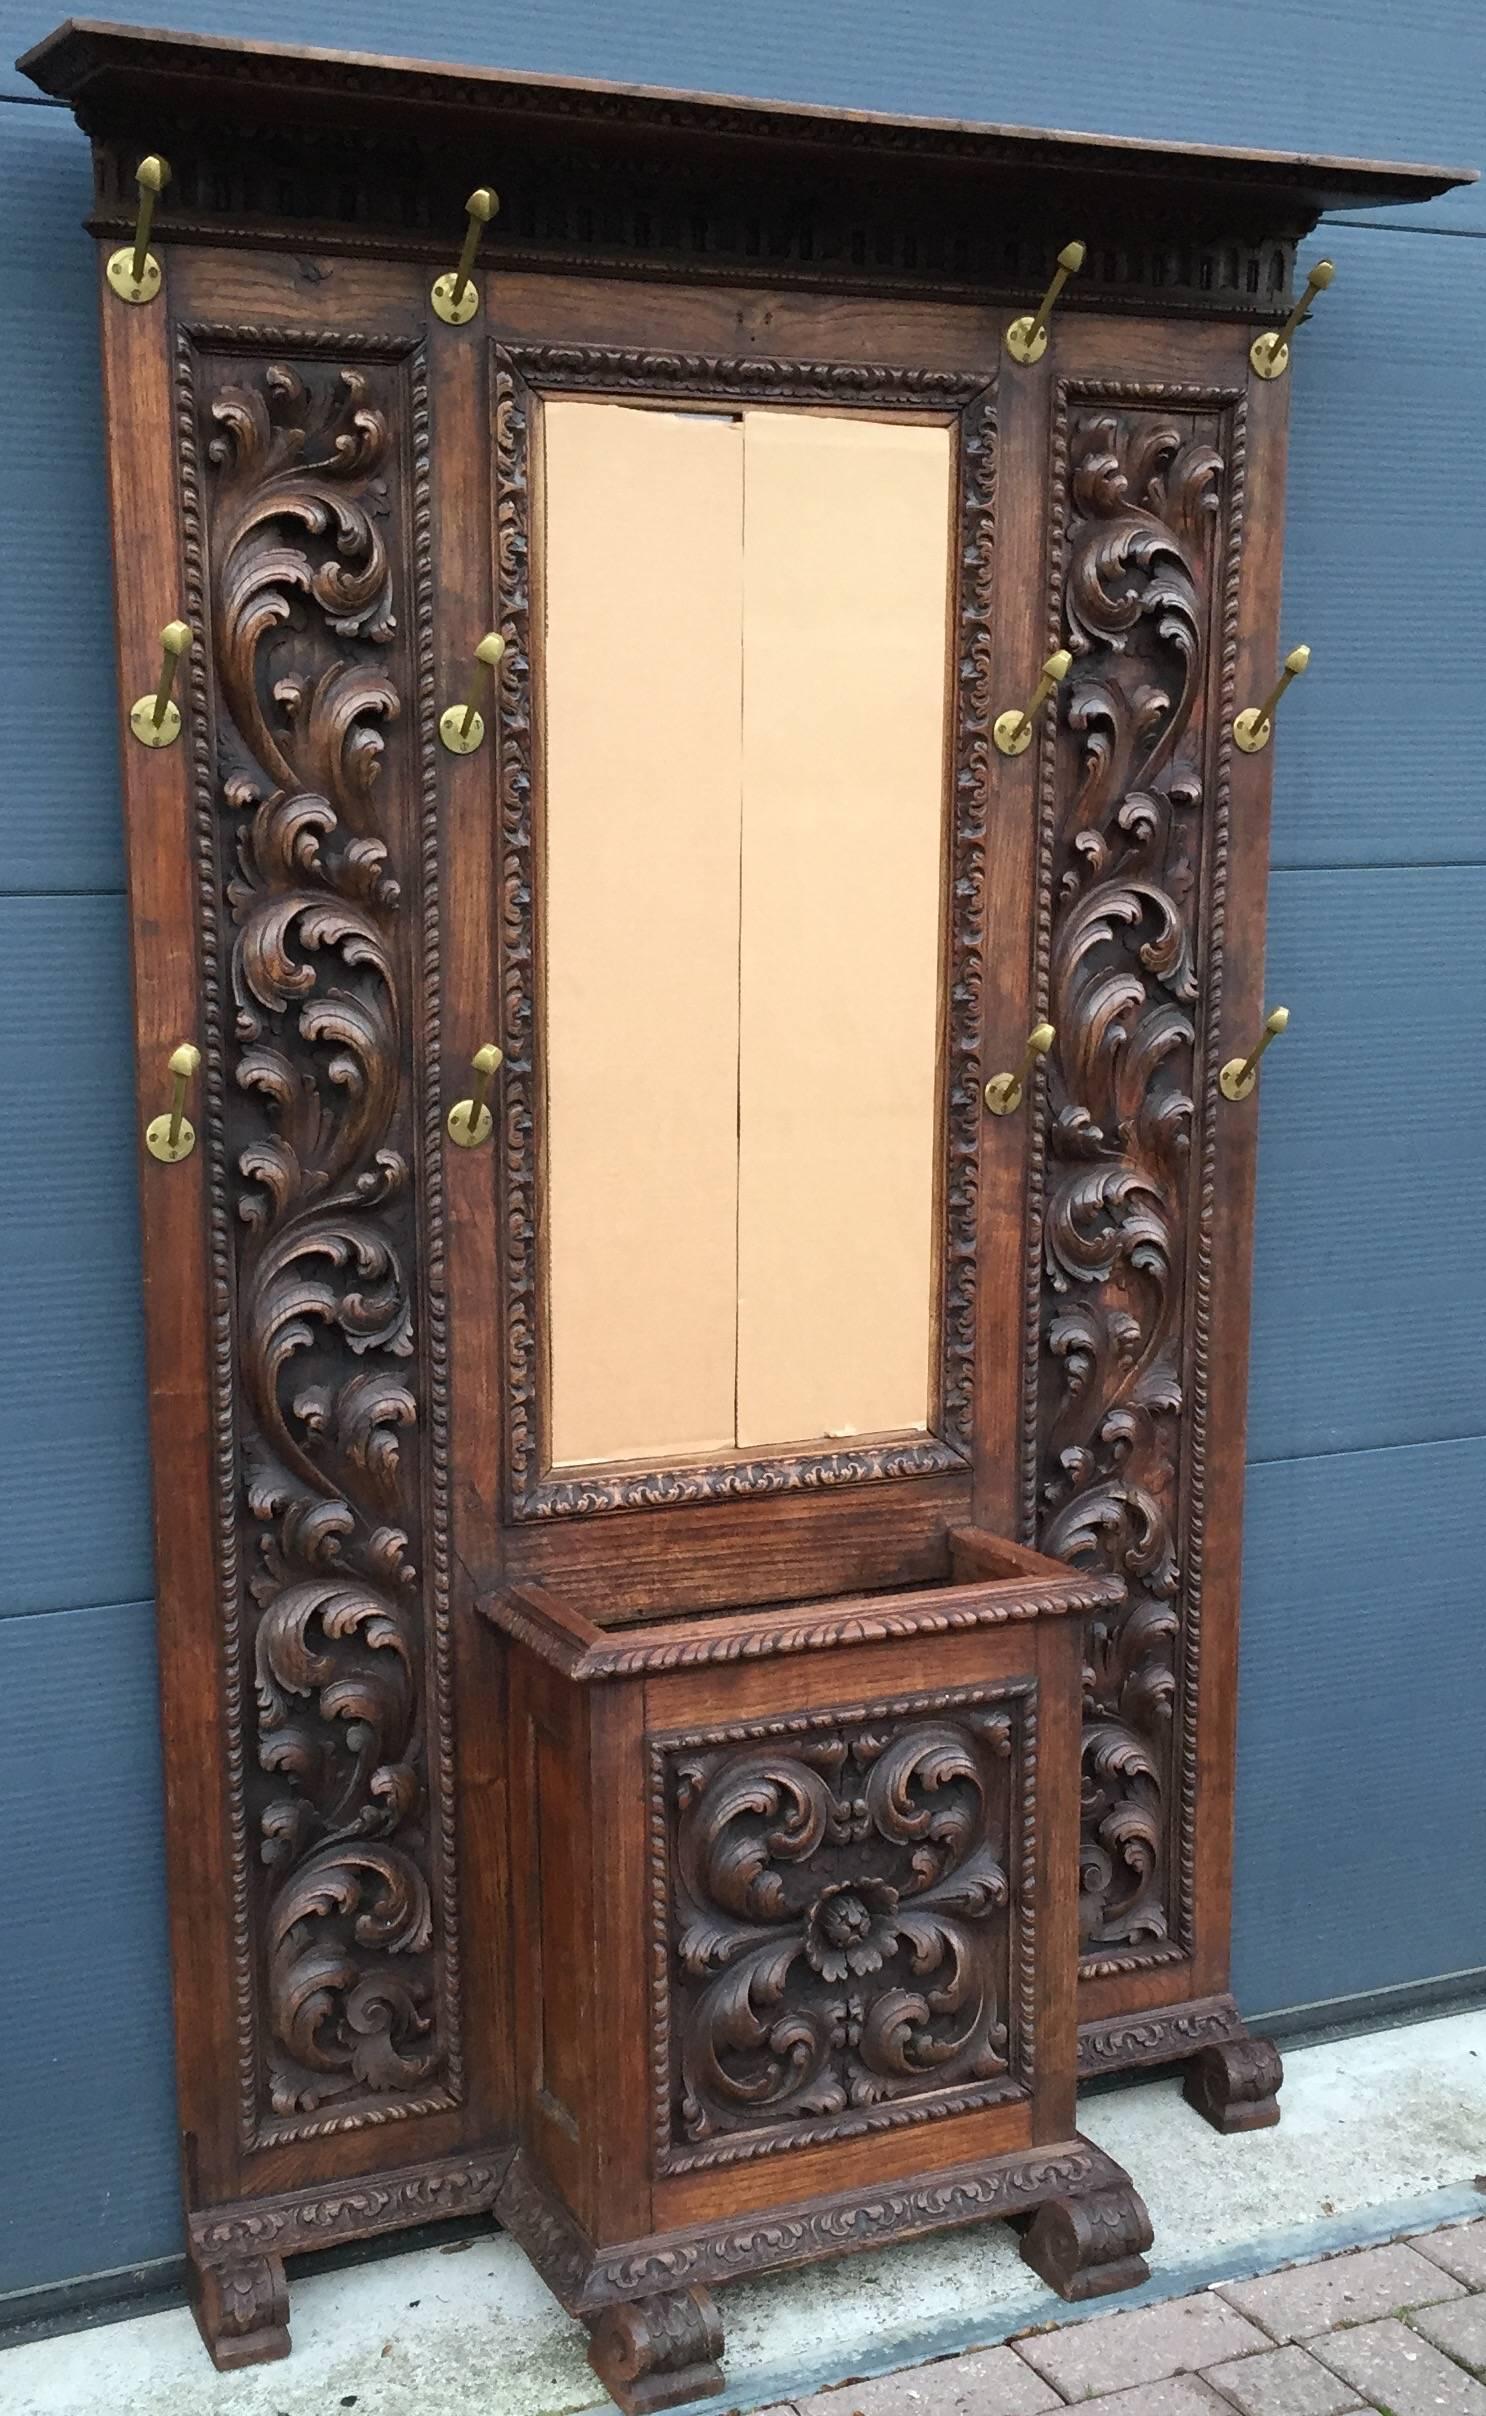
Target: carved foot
[1086,2247]
[657,2352]
[1233,2086]
[242,2311]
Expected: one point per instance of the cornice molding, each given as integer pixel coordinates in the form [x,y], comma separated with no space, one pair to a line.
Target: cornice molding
[347,151]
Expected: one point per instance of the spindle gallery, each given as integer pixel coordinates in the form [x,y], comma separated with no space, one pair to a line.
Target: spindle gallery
[697,851]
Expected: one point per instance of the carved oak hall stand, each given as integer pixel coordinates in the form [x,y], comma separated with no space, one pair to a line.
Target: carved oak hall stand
[644,1524]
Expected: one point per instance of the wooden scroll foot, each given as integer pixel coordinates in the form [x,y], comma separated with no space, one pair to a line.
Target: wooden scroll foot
[1086,2247]
[1234,2085]
[657,2352]
[242,2311]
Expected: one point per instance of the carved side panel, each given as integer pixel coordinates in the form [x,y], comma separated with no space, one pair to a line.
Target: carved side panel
[1147,500]
[843,1922]
[304,463]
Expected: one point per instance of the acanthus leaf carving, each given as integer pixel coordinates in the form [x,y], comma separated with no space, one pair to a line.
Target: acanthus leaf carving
[1126,920]
[842,1910]
[299,542]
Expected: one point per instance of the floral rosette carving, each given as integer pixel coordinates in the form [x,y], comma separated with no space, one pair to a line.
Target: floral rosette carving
[319,1137]
[840,1923]
[1126,875]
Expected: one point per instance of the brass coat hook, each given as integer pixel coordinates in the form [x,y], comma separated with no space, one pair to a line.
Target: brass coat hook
[1254,727]
[1012,731]
[470,1121]
[133,271]
[1026,337]
[172,1136]
[455,296]
[156,719]
[1240,1074]
[1270,353]
[1003,1093]
[461,727]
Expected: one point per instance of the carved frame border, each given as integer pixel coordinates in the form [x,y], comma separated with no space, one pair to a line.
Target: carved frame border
[1230,403]
[584,2277]
[523,373]
[406,353]
[1020,1695]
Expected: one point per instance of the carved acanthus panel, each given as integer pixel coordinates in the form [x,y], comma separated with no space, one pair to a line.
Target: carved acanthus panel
[304,488]
[843,1922]
[1147,502]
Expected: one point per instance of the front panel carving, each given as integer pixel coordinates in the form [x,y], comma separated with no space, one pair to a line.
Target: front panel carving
[1147,490]
[304,489]
[843,1922]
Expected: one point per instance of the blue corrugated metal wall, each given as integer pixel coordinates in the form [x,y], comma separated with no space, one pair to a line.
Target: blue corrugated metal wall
[1362,1835]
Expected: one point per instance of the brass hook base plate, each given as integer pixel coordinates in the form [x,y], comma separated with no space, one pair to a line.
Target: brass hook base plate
[458,739]
[1012,732]
[152,733]
[120,274]
[1003,1094]
[158,1142]
[467,1135]
[454,314]
[1236,1083]
[1268,359]
[1251,730]
[1022,344]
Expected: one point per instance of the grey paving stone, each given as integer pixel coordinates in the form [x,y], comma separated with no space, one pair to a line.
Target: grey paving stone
[1397,2370]
[987,2382]
[1178,2395]
[1144,2345]
[1459,2328]
[1460,2248]
[1283,2382]
[1342,2290]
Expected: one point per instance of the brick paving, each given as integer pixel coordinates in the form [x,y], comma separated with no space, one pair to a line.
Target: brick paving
[1392,2331]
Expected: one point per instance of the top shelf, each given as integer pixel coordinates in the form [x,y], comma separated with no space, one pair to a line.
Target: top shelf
[106,70]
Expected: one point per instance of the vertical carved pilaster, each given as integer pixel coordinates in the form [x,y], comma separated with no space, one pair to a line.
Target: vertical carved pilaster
[1147,503]
[305,505]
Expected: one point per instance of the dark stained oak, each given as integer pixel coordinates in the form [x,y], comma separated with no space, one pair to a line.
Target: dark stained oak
[730,1864]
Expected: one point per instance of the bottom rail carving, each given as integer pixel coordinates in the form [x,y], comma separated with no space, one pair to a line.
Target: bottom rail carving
[659,2351]
[239,2293]
[1235,2085]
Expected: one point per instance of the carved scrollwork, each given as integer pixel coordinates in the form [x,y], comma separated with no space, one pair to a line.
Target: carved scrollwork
[837,1950]
[1127,918]
[300,548]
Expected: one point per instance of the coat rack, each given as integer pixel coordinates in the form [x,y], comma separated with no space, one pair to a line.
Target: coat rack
[697,1540]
